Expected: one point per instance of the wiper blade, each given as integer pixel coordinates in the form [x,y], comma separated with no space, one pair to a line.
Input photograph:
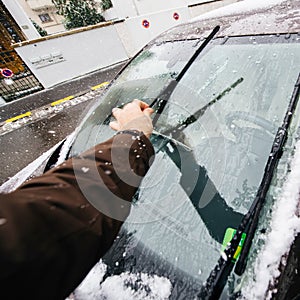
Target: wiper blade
[164,96]
[276,153]
[219,275]
[200,112]
[170,139]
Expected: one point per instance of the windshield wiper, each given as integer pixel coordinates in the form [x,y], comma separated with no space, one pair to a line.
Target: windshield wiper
[164,96]
[200,112]
[219,275]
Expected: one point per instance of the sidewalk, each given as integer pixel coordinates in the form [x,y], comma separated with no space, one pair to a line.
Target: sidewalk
[74,88]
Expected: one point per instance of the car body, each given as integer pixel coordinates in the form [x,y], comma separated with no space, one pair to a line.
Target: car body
[212,141]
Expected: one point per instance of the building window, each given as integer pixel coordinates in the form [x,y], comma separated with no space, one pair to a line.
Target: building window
[45,18]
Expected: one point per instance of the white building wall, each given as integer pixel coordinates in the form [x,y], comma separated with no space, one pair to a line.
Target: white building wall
[51,27]
[151,6]
[60,59]
[121,10]
[131,8]
[135,35]
[22,19]
[193,2]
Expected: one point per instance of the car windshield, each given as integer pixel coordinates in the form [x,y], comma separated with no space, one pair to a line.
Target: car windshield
[212,141]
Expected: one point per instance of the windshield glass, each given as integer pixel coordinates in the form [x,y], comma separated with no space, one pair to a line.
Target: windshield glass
[143,79]
[212,141]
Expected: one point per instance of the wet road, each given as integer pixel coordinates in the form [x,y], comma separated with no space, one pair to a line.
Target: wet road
[25,144]
[78,85]
[21,146]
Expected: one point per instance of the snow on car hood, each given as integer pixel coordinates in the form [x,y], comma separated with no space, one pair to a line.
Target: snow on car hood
[250,17]
[284,226]
[118,287]
[245,6]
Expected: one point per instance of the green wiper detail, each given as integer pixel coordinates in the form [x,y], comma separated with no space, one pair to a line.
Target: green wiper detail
[229,234]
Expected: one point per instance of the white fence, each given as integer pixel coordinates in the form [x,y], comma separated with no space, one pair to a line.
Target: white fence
[137,31]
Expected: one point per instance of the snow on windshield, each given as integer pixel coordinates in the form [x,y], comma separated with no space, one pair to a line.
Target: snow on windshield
[284,226]
[118,287]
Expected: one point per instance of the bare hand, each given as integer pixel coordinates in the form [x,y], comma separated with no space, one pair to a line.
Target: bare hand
[135,116]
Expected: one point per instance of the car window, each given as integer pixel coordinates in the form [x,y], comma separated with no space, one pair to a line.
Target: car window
[144,78]
[159,61]
[233,138]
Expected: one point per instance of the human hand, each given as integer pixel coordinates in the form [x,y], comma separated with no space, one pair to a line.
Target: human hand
[133,116]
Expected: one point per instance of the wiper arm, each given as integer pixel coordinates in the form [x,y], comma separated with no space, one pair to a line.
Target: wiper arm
[164,96]
[219,275]
[170,139]
[200,112]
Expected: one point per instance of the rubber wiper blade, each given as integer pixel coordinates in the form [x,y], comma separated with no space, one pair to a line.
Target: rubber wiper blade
[164,96]
[200,112]
[219,275]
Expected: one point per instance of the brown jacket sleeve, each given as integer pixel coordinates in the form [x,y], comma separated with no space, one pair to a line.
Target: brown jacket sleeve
[54,228]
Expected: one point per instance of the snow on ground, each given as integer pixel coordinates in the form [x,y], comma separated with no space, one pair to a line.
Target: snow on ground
[244,6]
[119,287]
[285,225]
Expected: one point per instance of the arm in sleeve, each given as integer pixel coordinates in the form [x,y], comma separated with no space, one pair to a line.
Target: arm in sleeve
[55,227]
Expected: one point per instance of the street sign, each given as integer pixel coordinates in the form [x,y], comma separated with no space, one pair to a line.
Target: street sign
[176,16]
[146,23]
[7,73]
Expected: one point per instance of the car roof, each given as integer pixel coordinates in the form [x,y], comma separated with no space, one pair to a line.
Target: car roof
[248,17]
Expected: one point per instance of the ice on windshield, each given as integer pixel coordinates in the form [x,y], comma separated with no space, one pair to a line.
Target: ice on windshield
[282,229]
[193,193]
[233,138]
[117,287]
[159,61]
[157,211]
[231,141]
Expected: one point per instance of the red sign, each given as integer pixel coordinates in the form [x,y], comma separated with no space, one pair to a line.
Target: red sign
[176,16]
[7,73]
[146,23]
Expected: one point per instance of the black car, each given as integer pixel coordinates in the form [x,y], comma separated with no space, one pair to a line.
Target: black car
[224,89]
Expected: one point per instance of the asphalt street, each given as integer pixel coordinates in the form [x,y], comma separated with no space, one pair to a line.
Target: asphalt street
[22,145]
[65,89]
